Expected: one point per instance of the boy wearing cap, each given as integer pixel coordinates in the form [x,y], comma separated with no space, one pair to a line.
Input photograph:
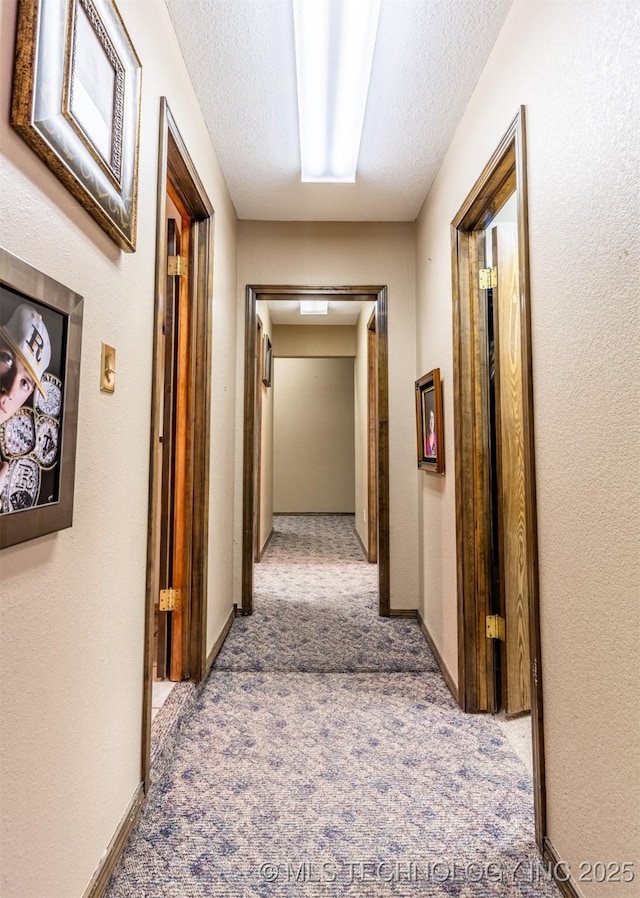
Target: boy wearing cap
[25,353]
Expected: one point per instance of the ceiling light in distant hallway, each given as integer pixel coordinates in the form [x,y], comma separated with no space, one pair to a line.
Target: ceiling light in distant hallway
[314,306]
[334,50]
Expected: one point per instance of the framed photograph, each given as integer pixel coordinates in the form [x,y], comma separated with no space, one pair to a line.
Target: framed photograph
[429,422]
[267,361]
[76,102]
[40,341]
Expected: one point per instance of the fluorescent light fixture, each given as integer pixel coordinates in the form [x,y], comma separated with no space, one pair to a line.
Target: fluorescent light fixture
[314,306]
[334,51]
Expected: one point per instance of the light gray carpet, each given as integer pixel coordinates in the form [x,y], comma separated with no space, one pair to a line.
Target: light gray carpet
[330,779]
[315,607]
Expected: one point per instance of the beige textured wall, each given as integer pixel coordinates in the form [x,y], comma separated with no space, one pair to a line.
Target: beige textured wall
[299,340]
[266,449]
[361,377]
[313,435]
[72,603]
[572,65]
[349,253]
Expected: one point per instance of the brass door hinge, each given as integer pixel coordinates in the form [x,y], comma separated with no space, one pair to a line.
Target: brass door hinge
[170,599]
[176,266]
[495,627]
[488,278]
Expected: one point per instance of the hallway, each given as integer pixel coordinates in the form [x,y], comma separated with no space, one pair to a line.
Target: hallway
[326,757]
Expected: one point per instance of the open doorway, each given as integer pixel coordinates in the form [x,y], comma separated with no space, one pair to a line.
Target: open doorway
[255,359]
[178,515]
[498,607]
[317,447]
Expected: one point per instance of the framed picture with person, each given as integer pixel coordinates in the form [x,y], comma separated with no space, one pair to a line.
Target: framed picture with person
[40,340]
[429,427]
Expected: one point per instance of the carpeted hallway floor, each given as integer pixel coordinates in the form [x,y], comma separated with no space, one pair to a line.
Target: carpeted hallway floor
[325,756]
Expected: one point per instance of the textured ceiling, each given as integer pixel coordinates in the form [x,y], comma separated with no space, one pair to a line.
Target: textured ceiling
[428,57]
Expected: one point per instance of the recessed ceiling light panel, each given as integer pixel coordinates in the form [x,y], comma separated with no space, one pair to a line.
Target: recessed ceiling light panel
[314,306]
[335,40]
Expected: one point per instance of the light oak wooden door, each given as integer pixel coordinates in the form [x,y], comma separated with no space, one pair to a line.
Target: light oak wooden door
[173,625]
[511,487]
[165,554]
[177,545]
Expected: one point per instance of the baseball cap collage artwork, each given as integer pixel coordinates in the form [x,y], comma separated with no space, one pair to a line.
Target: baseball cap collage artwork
[31,402]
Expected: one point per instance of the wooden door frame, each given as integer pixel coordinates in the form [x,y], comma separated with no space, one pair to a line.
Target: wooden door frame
[253,294]
[372,442]
[166,522]
[175,165]
[257,549]
[504,173]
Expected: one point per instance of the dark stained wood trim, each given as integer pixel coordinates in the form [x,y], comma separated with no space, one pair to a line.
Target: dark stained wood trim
[116,846]
[175,163]
[293,292]
[493,187]
[384,572]
[562,876]
[505,171]
[248,491]
[444,670]
[257,553]
[372,441]
[202,285]
[252,295]
[215,651]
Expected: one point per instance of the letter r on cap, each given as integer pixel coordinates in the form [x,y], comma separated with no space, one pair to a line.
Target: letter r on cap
[36,343]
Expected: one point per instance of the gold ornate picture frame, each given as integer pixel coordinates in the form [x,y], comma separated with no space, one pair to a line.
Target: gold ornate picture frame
[76,102]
